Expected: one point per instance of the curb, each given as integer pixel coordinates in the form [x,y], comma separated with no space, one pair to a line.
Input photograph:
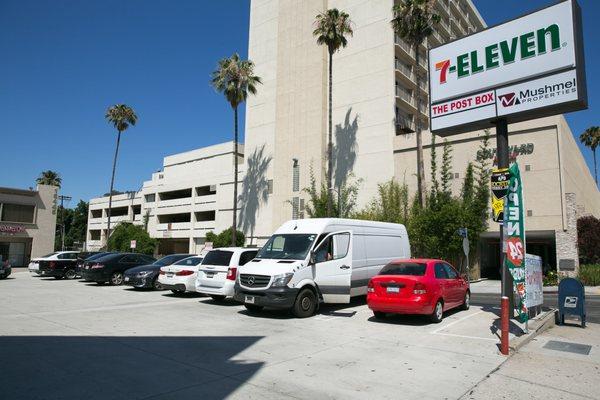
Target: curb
[544,323]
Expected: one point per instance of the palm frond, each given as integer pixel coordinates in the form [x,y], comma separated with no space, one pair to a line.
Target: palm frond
[235,78]
[332,28]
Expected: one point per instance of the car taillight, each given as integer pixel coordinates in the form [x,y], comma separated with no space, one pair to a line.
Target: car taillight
[419,288]
[184,272]
[232,273]
[97,266]
[161,272]
[371,287]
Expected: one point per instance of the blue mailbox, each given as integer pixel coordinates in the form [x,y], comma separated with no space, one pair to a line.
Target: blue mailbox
[571,300]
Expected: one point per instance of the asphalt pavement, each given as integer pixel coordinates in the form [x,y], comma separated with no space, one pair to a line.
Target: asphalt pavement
[592,303]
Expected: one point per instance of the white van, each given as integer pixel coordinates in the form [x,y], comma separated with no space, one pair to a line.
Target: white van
[309,261]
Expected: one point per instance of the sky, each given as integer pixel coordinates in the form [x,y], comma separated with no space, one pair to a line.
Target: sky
[64,62]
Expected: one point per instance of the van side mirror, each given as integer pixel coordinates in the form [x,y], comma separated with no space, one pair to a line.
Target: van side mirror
[311,259]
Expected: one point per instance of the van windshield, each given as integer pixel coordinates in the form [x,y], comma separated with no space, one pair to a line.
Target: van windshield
[287,246]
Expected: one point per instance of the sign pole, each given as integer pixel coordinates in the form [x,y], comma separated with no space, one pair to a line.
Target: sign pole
[502,155]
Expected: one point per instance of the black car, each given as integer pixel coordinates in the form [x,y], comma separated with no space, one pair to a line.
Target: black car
[5,268]
[146,276]
[88,256]
[111,267]
[64,266]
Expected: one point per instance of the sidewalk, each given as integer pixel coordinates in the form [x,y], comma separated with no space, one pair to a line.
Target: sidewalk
[493,286]
[562,363]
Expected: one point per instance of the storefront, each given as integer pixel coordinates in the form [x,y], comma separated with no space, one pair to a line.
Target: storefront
[27,223]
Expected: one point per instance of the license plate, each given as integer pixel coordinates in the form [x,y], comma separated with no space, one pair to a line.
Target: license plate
[393,289]
[210,274]
[170,275]
[126,279]
[249,299]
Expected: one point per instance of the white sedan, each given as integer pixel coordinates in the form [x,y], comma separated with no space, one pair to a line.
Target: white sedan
[181,276]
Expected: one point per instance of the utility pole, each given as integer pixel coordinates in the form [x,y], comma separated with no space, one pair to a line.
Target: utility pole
[62,220]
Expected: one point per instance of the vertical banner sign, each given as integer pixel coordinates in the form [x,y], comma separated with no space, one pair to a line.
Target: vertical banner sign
[499,180]
[514,237]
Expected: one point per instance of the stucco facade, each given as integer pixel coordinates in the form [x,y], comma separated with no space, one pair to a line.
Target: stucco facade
[190,196]
[27,223]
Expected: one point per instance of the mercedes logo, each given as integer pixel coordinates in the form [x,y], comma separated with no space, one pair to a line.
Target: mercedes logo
[250,281]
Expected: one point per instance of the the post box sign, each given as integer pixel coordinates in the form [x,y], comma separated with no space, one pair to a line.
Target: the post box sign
[526,68]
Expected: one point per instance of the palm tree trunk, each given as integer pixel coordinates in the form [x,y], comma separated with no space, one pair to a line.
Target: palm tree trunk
[420,166]
[235,179]
[110,193]
[330,143]
[595,168]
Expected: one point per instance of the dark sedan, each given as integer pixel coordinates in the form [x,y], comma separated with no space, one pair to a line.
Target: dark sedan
[111,268]
[145,276]
[82,261]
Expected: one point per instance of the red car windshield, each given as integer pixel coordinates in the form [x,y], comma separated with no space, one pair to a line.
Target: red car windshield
[412,269]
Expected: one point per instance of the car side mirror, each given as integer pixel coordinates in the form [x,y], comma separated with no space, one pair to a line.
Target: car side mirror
[311,259]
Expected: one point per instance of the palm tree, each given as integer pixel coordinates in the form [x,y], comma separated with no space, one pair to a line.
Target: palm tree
[235,78]
[591,138]
[331,29]
[120,116]
[414,21]
[49,178]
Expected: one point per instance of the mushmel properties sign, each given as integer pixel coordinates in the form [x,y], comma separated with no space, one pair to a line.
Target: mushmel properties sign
[526,68]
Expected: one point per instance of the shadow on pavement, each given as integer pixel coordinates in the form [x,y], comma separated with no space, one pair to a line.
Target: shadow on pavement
[80,367]
[222,303]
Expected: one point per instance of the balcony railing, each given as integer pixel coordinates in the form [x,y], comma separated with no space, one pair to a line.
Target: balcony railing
[410,51]
[404,124]
[405,70]
[404,95]
[174,226]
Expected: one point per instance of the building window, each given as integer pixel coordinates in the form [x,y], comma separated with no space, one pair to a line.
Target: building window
[18,213]
[527,167]
[176,194]
[205,216]
[118,211]
[206,190]
[456,175]
[296,176]
[529,213]
[150,198]
[95,234]
[137,209]
[96,213]
[270,186]
[295,207]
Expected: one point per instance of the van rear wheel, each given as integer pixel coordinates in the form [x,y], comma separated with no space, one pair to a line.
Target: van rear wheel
[306,304]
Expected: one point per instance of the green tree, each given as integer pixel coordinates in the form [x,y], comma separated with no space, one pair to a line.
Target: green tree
[414,21]
[390,205]
[467,192]
[435,186]
[331,29]
[121,116]
[591,138]
[235,78]
[224,238]
[125,232]
[446,171]
[78,229]
[49,177]
[319,198]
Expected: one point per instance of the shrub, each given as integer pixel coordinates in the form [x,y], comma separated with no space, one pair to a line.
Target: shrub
[589,274]
[223,239]
[588,240]
[551,278]
[124,233]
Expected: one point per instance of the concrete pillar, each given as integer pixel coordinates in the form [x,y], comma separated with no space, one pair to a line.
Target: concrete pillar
[567,254]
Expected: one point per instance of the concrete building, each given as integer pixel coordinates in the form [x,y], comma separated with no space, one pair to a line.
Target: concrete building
[27,223]
[374,114]
[191,195]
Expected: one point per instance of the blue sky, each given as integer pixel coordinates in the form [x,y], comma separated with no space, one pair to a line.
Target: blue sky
[65,61]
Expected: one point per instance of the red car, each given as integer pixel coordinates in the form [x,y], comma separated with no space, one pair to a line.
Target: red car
[417,286]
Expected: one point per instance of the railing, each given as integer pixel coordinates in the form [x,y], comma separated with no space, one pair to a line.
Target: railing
[410,51]
[204,225]
[210,198]
[404,124]
[185,201]
[405,70]
[404,95]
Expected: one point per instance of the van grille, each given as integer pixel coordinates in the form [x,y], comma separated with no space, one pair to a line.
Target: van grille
[254,281]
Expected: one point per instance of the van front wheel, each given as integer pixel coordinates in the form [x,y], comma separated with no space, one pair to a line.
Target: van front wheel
[306,304]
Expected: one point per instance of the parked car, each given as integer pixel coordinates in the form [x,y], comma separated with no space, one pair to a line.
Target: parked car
[34,264]
[146,276]
[5,269]
[111,267]
[418,286]
[218,271]
[64,266]
[81,260]
[181,276]
[307,261]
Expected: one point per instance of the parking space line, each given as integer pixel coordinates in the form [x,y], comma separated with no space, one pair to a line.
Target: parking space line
[441,328]
[464,336]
